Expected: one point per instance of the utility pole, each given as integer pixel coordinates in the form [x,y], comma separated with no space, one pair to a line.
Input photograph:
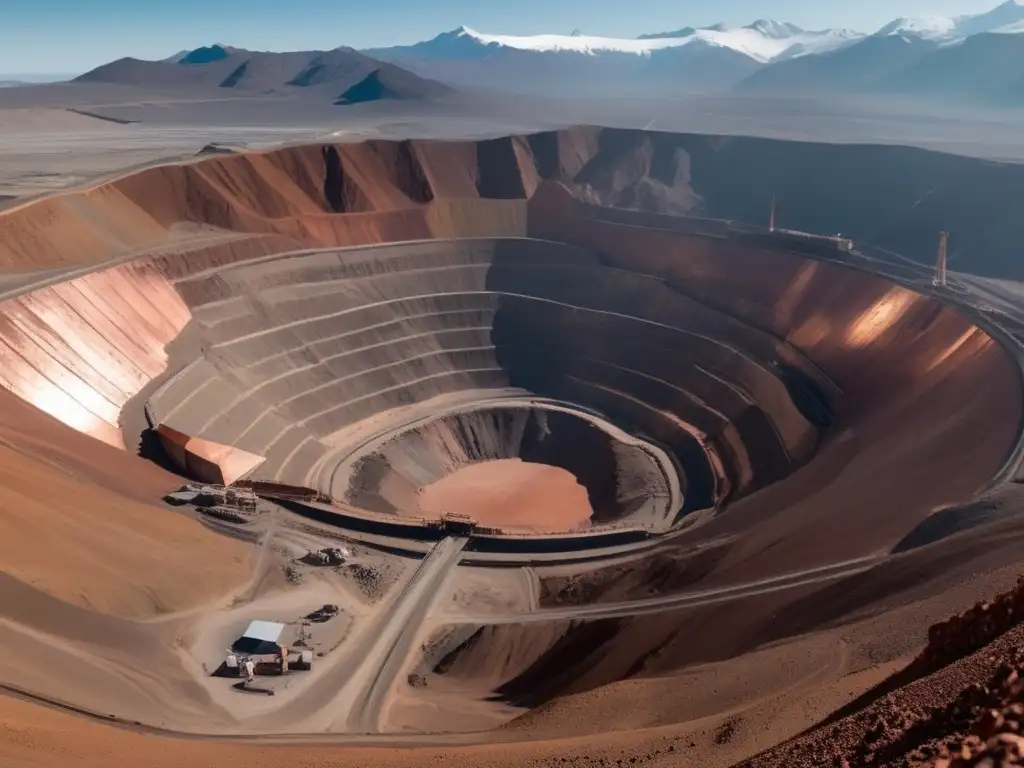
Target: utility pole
[771,216]
[939,280]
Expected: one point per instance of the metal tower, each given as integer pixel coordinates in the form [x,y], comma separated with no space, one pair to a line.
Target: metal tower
[940,261]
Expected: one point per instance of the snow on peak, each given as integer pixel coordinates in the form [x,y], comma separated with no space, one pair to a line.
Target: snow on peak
[577,43]
[1003,18]
[1000,17]
[763,40]
[1015,28]
[923,27]
[775,29]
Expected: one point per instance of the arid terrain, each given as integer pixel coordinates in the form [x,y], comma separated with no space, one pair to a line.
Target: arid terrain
[544,445]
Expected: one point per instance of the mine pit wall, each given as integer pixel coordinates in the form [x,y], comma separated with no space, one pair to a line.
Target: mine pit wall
[62,348]
[289,191]
[930,405]
[492,656]
[645,384]
[547,544]
[288,368]
[397,529]
[284,200]
[890,197]
[526,664]
[920,382]
[80,350]
[375,525]
[283,192]
[622,481]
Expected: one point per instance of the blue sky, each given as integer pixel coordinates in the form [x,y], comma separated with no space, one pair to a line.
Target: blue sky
[71,36]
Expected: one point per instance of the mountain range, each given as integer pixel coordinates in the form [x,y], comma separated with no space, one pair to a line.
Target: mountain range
[979,57]
[973,58]
[343,75]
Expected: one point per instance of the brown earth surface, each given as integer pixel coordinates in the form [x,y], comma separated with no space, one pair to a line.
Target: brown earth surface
[512,494]
[958,703]
[80,522]
[909,381]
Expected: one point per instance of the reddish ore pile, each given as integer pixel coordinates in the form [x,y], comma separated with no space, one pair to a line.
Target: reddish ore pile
[997,739]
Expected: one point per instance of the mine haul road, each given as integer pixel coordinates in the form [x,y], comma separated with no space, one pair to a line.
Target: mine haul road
[681,600]
[386,649]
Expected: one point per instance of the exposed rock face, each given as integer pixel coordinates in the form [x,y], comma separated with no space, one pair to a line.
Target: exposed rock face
[741,353]
[960,635]
[960,703]
[344,310]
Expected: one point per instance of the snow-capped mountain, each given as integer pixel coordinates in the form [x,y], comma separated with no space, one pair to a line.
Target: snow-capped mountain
[686,60]
[950,29]
[922,28]
[762,41]
[1009,13]
[764,56]
[977,58]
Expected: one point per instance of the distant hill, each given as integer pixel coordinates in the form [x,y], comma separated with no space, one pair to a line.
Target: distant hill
[862,67]
[391,84]
[206,54]
[330,72]
[985,67]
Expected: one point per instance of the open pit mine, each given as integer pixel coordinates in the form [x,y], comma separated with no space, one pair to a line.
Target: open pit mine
[474,428]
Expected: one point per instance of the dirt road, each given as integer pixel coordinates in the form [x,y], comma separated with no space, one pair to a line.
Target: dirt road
[689,599]
[386,649]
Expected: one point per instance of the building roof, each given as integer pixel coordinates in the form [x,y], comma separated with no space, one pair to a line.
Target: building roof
[260,639]
[267,631]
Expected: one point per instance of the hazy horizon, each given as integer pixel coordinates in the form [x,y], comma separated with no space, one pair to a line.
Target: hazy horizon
[36,77]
